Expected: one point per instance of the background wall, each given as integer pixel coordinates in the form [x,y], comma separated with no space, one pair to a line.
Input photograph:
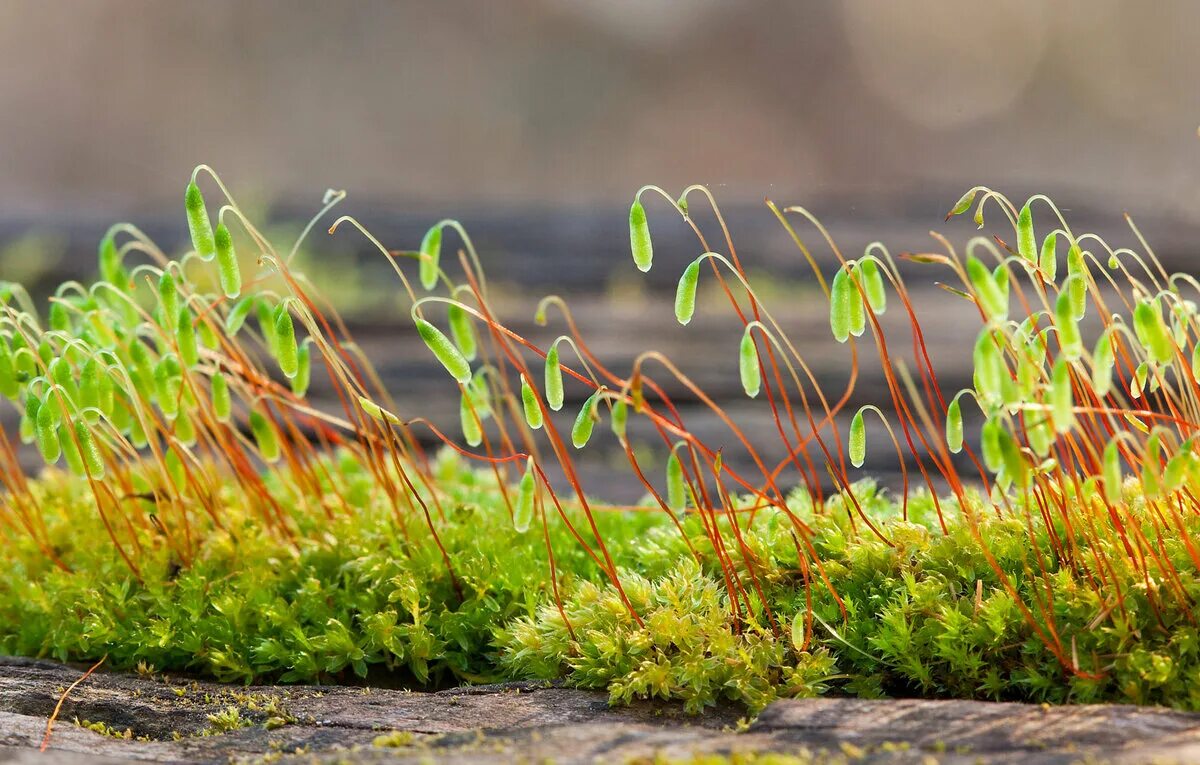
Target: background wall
[106,105]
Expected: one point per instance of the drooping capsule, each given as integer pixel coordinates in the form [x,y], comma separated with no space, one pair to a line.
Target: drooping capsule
[620,418]
[858,440]
[199,225]
[1048,260]
[676,490]
[303,376]
[529,402]
[872,282]
[639,237]
[585,421]
[111,270]
[264,436]
[523,509]
[1103,361]
[991,299]
[286,350]
[1152,332]
[168,299]
[1062,402]
[47,432]
[237,314]
[90,452]
[841,297]
[1026,242]
[185,337]
[229,272]
[685,293]
[554,379]
[444,351]
[963,204]
[431,253]
[222,403]
[462,331]
[954,426]
[1067,325]
[748,365]
[469,419]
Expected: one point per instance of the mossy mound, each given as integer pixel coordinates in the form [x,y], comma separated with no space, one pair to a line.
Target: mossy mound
[365,591]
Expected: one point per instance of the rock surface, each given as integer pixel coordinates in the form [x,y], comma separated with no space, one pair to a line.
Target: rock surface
[165,719]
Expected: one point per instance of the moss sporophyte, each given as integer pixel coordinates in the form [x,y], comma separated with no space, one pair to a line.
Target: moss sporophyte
[208,517]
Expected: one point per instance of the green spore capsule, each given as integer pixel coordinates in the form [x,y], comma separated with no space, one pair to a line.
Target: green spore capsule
[431,253]
[70,451]
[206,334]
[1152,332]
[748,365]
[685,293]
[1026,242]
[554,379]
[639,237]
[199,225]
[1067,325]
[45,351]
[264,436]
[168,384]
[962,205]
[285,341]
[1176,469]
[533,412]
[954,426]
[10,388]
[185,338]
[1037,431]
[89,390]
[28,426]
[1111,468]
[1014,461]
[168,296]
[841,299]
[237,314]
[89,451]
[47,432]
[1062,402]
[111,269]
[872,282]
[472,432]
[229,272]
[990,370]
[1048,261]
[989,443]
[62,374]
[444,351]
[620,418]
[1196,363]
[184,429]
[676,491]
[1077,293]
[462,331]
[60,317]
[222,403]
[266,325]
[585,421]
[523,510]
[858,313]
[303,374]
[1102,365]
[858,440]
[992,300]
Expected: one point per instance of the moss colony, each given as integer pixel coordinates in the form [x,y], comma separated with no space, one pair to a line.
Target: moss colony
[209,519]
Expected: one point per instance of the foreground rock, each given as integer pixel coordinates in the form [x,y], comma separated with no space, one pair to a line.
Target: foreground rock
[113,718]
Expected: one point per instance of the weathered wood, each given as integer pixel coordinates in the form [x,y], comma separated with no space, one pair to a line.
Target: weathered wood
[535,722]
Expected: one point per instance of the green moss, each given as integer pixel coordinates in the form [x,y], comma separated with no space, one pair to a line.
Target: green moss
[924,616]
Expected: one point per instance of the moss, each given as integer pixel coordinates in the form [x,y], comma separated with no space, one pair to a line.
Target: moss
[924,615]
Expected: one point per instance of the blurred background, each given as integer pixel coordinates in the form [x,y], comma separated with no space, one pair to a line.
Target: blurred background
[534,121]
